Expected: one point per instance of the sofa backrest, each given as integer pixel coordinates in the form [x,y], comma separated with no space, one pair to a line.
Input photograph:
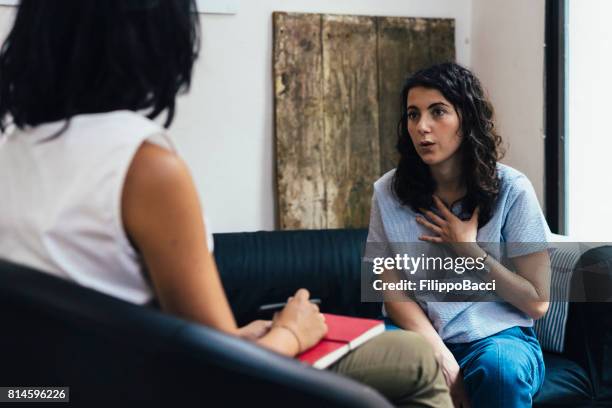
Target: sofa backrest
[269,266]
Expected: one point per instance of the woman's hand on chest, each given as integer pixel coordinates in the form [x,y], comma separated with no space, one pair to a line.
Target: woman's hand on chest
[447,227]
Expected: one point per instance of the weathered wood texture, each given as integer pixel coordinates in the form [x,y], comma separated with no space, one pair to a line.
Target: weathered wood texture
[406,45]
[300,136]
[350,105]
[337,81]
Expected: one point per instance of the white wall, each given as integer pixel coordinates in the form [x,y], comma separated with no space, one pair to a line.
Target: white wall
[508,57]
[224,127]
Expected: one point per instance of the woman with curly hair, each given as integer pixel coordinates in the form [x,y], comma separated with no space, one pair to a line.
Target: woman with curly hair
[450,190]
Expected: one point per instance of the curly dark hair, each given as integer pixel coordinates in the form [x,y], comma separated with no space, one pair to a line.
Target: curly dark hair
[413,183]
[72,57]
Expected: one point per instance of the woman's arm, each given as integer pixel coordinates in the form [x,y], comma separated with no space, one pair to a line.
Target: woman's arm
[528,289]
[409,315]
[162,216]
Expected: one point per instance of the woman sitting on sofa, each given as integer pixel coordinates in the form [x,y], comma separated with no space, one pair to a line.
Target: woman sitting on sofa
[449,189]
[93,191]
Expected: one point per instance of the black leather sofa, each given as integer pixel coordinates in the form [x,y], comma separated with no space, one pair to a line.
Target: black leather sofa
[56,333]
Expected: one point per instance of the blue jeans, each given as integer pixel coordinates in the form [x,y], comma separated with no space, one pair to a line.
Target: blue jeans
[502,370]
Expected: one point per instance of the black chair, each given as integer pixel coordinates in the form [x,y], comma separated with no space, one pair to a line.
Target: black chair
[55,333]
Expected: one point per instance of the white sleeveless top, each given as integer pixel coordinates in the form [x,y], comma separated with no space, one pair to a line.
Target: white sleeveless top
[60,200]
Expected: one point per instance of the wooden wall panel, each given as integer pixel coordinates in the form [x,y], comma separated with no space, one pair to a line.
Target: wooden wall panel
[406,45]
[350,99]
[299,120]
[336,92]
[441,40]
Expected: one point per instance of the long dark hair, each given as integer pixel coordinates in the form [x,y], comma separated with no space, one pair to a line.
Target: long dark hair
[413,183]
[69,57]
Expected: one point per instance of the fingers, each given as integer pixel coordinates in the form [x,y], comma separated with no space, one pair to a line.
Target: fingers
[433,217]
[475,213]
[323,324]
[462,399]
[447,378]
[457,396]
[429,225]
[427,238]
[459,392]
[302,294]
[443,209]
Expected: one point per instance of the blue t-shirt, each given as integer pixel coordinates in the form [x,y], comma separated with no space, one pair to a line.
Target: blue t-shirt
[516,218]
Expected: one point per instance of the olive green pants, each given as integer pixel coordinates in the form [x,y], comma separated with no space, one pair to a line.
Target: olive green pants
[401,366]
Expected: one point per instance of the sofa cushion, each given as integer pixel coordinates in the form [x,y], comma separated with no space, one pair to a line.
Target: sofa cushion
[550,329]
[566,383]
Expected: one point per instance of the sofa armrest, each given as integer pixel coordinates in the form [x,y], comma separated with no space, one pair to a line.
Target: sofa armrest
[590,321]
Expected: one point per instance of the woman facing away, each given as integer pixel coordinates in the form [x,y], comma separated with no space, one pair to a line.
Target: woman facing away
[93,192]
[449,188]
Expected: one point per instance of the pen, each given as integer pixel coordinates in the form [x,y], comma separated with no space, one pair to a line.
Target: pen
[279,306]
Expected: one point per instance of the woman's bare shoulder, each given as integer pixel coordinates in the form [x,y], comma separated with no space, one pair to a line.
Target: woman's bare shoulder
[155,167]
[158,185]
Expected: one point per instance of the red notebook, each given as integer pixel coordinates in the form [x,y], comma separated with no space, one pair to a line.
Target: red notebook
[343,335]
